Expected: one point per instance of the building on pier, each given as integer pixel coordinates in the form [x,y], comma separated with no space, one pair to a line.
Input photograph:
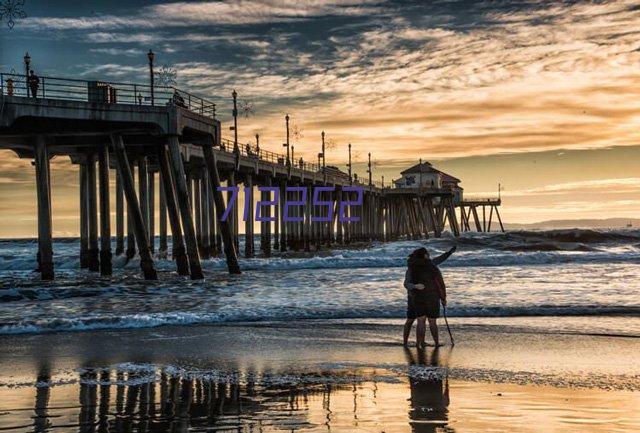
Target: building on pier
[425,175]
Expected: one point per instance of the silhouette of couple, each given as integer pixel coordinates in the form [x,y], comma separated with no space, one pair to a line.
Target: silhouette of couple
[425,291]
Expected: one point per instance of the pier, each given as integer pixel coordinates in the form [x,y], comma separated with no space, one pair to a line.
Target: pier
[167,142]
[469,213]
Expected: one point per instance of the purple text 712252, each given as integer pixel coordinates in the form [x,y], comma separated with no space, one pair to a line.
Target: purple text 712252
[300,193]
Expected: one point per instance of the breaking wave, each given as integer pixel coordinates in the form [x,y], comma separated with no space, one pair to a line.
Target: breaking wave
[524,273]
[150,320]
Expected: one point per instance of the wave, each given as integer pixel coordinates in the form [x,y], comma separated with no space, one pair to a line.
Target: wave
[474,249]
[511,256]
[551,240]
[152,320]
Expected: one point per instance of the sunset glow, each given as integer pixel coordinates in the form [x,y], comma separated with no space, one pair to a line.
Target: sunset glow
[451,82]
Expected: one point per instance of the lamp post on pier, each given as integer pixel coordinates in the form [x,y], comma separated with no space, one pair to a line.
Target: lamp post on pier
[324,159]
[286,118]
[236,149]
[258,145]
[151,56]
[369,169]
[27,62]
[349,165]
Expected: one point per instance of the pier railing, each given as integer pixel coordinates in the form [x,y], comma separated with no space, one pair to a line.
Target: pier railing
[251,151]
[110,92]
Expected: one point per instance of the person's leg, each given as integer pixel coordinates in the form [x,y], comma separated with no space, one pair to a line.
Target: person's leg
[421,329]
[433,326]
[407,330]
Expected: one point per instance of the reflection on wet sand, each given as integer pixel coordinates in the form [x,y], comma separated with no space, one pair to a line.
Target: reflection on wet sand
[341,398]
[149,400]
[429,398]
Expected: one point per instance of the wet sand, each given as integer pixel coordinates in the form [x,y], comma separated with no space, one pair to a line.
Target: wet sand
[319,376]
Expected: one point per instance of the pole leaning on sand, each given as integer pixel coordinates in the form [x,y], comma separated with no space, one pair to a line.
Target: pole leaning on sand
[444,309]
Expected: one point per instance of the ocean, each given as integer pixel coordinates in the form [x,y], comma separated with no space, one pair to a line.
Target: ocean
[587,281]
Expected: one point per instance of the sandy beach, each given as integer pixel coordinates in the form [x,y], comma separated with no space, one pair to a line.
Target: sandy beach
[546,341]
[342,375]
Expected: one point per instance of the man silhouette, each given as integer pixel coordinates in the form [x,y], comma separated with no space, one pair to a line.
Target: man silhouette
[34,82]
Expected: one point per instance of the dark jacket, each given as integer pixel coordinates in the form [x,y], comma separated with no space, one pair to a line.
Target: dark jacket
[424,271]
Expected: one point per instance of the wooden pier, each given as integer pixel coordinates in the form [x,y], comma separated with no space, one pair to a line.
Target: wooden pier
[469,213]
[170,144]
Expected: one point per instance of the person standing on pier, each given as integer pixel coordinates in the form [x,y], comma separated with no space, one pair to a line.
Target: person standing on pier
[423,293]
[34,82]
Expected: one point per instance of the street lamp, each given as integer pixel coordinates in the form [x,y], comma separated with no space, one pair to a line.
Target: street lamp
[258,144]
[324,160]
[369,169]
[151,56]
[382,181]
[27,62]
[350,176]
[234,94]
[286,118]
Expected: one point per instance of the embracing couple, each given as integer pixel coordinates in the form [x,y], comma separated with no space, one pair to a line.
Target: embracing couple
[425,290]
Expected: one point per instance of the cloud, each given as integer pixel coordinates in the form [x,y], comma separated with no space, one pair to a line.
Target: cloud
[592,187]
[204,13]
[118,51]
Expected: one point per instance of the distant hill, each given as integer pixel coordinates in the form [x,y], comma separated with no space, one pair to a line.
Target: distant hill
[608,223]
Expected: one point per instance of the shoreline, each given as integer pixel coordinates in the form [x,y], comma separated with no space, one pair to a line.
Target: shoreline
[344,377]
[497,353]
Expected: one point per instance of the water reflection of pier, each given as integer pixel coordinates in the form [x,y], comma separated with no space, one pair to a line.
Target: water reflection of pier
[112,400]
[118,401]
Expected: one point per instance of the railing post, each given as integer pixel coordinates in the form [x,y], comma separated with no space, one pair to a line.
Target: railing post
[43,93]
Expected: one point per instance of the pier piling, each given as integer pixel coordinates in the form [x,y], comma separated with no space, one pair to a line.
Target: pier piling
[182,195]
[162,217]
[105,211]
[135,214]
[249,249]
[143,183]
[43,190]
[265,226]
[224,226]
[179,253]
[84,216]
[151,205]
[119,216]
[131,237]
[93,251]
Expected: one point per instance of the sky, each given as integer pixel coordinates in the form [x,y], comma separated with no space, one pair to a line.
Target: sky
[542,97]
